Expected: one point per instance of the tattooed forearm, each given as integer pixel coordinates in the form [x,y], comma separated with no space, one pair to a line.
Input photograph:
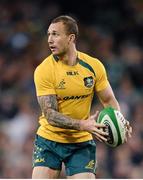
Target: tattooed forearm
[59,120]
[47,102]
[49,107]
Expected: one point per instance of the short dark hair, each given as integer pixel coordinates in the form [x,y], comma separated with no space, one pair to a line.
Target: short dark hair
[69,22]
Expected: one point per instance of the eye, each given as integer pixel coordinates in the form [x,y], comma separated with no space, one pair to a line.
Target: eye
[55,34]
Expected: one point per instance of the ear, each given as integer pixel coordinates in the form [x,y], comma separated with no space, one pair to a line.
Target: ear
[72,38]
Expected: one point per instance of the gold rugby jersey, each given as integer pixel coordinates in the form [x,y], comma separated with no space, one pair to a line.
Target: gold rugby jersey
[74,87]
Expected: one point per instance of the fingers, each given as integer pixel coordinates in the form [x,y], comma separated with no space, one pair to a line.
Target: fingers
[97,128]
[127,125]
[100,131]
[100,134]
[128,130]
[94,117]
[100,137]
[98,125]
[125,139]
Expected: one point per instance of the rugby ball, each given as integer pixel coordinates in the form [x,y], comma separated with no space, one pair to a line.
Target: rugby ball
[115,122]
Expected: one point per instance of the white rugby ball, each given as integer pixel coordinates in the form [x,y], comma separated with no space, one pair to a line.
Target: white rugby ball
[115,122]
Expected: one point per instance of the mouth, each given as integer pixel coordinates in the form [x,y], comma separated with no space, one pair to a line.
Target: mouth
[52,48]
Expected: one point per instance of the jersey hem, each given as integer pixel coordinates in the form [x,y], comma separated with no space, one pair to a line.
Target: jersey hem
[64,140]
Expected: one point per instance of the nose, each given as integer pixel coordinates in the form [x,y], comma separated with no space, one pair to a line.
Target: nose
[50,39]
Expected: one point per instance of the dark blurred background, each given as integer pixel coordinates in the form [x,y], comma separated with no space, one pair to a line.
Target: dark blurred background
[110,30]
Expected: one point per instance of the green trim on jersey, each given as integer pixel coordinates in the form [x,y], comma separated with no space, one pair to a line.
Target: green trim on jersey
[55,58]
[84,64]
[81,62]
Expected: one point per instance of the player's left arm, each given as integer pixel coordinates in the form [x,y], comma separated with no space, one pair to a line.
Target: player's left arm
[107,98]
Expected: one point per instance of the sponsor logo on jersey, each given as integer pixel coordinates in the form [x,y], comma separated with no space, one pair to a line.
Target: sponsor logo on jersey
[72,73]
[76,97]
[88,81]
[61,84]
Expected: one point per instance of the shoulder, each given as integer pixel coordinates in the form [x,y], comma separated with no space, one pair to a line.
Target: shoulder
[45,69]
[92,61]
[45,65]
[46,62]
[88,58]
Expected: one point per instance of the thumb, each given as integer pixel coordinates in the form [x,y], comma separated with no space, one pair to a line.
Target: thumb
[94,116]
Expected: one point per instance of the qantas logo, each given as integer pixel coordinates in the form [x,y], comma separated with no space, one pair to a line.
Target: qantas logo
[75,97]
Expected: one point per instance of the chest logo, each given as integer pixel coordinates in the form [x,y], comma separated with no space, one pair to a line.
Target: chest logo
[72,73]
[61,84]
[88,81]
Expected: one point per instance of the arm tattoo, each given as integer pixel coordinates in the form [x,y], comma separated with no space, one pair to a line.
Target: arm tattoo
[49,107]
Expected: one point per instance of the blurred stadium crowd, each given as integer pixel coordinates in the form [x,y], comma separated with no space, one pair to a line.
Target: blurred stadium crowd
[109,30]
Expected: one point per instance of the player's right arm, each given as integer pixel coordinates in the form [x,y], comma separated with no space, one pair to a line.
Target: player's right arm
[49,107]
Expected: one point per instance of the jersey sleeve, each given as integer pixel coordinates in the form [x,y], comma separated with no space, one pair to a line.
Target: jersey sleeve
[101,77]
[44,81]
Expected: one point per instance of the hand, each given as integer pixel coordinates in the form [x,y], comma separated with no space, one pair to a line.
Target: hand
[94,128]
[128,131]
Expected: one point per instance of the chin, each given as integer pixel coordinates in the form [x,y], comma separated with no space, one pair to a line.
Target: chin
[57,54]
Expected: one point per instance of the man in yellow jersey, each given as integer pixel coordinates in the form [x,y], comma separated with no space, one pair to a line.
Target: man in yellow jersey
[65,83]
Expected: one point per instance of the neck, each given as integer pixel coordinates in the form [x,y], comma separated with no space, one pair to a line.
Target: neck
[70,58]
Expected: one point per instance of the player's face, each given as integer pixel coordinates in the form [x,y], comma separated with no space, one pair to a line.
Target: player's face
[58,39]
